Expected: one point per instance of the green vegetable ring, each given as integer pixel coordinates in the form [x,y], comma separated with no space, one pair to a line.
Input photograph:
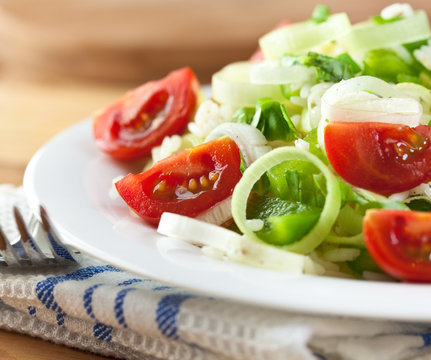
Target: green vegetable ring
[253,173]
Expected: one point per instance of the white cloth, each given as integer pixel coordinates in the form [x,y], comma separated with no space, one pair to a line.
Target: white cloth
[99,308]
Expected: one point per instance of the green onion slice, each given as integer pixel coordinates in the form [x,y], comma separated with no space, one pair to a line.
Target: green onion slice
[369,35]
[252,174]
[231,85]
[273,72]
[301,37]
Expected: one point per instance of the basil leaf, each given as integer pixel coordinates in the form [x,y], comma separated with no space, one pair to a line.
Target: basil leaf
[272,120]
[331,69]
[419,204]
[244,115]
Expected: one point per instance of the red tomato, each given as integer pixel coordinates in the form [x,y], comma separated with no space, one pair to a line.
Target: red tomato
[400,242]
[384,158]
[130,127]
[185,183]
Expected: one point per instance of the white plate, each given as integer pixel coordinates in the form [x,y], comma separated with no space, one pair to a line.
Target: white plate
[73,180]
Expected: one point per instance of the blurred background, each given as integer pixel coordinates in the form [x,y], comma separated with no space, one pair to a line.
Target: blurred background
[62,60]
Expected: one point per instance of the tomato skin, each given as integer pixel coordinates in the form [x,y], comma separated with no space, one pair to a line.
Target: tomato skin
[400,242]
[218,161]
[384,158]
[131,126]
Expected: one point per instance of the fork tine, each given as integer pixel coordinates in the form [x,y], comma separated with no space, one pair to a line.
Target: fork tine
[8,253]
[60,250]
[35,255]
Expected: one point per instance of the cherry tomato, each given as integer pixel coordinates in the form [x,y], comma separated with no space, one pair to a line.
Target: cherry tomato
[185,183]
[384,158]
[400,242]
[130,127]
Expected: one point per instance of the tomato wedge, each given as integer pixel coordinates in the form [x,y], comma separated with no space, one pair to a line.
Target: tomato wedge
[185,183]
[400,242]
[130,127]
[384,158]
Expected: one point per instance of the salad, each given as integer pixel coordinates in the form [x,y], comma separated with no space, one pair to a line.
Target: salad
[312,157]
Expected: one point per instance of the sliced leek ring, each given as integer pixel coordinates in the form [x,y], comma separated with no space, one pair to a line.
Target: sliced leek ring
[369,35]
[232,86]
[300,37]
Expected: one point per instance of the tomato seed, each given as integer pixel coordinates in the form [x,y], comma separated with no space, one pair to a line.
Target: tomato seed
[213,176]
[204,181]
[193,185]
[160,187]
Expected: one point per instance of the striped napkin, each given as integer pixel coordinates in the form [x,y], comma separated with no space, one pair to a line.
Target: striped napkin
[99,308]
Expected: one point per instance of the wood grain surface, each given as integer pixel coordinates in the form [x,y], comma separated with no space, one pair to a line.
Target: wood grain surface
[31,114]
[21,347]
[59,63]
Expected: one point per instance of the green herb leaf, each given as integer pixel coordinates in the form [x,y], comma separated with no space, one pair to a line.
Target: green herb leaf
[419,204]
[387,65]
[314,146]
[272,119]
[288,90]
[244,115]
[421,75]
[297,181]
[350,196]
[331,69]
[321,13]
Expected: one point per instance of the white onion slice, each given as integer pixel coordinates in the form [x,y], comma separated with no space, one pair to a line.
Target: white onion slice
[217,214]
[231,245]
[368,99]
[251,142]
[196,231]
[272,72]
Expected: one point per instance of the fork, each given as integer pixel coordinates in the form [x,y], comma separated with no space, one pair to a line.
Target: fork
[27,250]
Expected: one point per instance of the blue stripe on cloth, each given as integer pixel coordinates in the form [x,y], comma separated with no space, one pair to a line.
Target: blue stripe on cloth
[31,310]
[166,314]
[118,308]
[60,318]
[88,300]
[45,288]
[60,250]
[319,356]
[131,281]
[102,332]
[427,339]
[160,288]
